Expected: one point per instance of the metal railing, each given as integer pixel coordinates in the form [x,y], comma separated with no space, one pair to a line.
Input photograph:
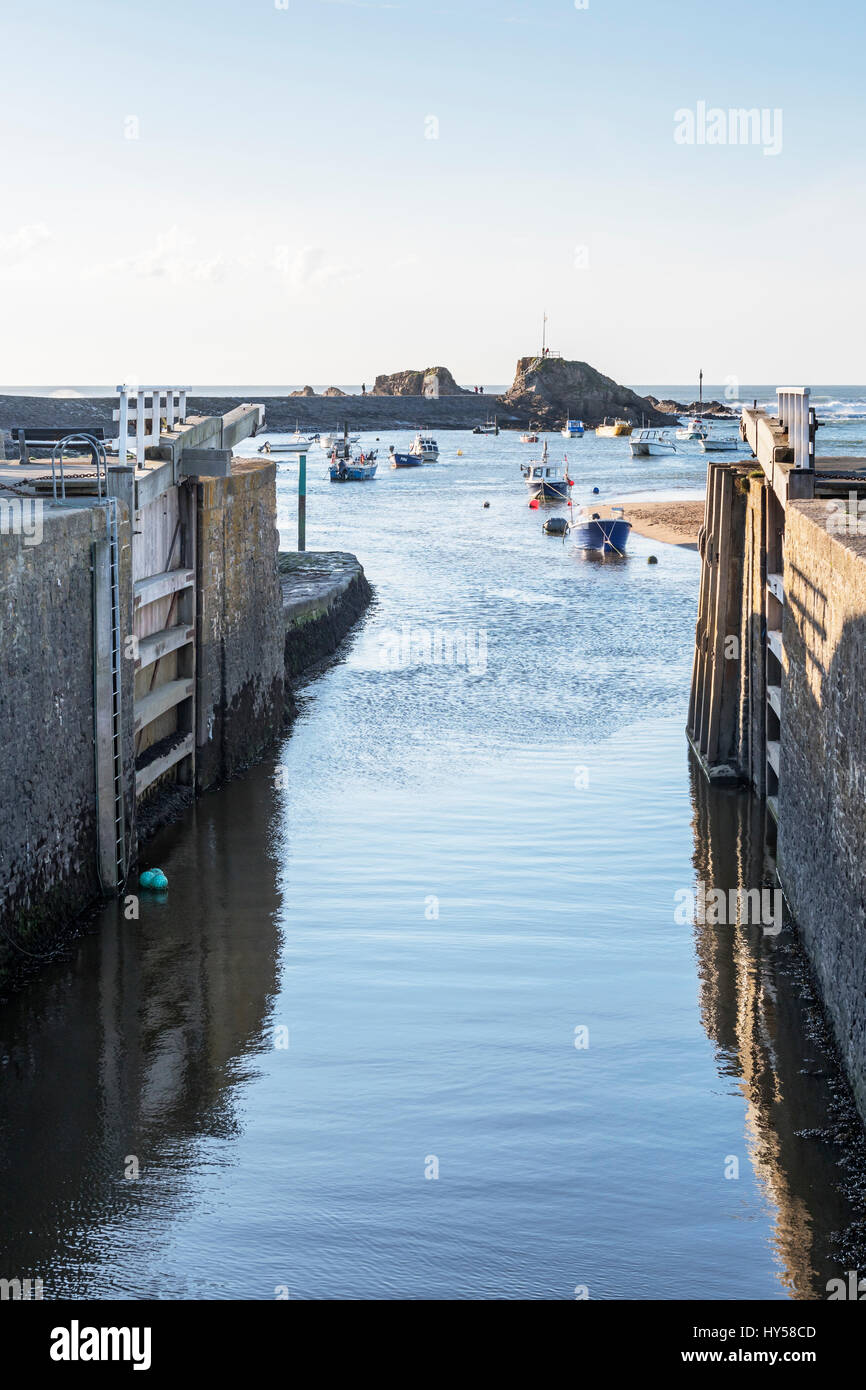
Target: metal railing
[97,449]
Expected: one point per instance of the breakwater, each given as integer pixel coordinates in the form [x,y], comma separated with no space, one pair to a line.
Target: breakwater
[284,413]
[151,637]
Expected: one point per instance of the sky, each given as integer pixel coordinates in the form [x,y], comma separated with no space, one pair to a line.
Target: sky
[295,191]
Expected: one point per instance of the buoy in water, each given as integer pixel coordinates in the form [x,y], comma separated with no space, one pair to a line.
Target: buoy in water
[487,504]
[460,453]
[595,490]
[152,878]
[651,560]
[555,526]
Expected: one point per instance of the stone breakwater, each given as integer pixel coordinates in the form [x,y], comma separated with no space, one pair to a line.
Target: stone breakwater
[283,414]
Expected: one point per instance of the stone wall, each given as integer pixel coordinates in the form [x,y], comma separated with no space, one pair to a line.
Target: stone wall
[48,854]
[822,772]
[240,678]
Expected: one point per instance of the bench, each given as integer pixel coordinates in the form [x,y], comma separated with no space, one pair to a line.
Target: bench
[38,437]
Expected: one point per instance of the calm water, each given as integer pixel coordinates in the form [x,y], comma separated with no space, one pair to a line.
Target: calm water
[443,873]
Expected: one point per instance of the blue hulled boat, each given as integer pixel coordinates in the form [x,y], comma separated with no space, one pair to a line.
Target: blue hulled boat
[404,460]
[345,469]
[606,534]
[547,482]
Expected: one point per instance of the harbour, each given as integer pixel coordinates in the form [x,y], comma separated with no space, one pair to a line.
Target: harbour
[451,966]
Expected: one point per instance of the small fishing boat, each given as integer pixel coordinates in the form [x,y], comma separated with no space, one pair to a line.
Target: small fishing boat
[647,442]
[613,429]
[353,470]
[327,441]
[297,444]
[609,535]
[529,438]
[720,443]
[547,482]
[404,460]
[572,429]
[424,447]
[694,430]
[490,426]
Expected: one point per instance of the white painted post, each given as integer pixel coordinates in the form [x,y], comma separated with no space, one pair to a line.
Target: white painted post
[183,405]
[169,408]
[794,415]
[139,427]
[123,426]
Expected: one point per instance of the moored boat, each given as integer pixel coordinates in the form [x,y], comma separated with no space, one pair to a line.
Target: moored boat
[721,443]
[424,447]
[529,438]
[694,430]
[609,535]
[614,429]
[572,429]
[490,426]
[647,442]
[547,482]
[353,470]
[404,460]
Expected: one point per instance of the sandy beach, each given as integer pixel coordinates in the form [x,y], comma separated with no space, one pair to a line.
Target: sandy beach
[674,523]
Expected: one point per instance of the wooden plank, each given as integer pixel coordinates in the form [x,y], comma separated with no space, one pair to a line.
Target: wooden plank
[720,616]
[159,766]
[158,644]
[160,701]
[158,586]
[774,698]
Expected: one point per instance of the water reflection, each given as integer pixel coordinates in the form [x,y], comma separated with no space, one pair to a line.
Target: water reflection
[758,1009]
[135,1048]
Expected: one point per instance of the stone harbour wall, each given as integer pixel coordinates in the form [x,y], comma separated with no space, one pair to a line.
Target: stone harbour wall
[822,768]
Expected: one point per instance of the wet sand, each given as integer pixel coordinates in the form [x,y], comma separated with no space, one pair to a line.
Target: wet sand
[673,523]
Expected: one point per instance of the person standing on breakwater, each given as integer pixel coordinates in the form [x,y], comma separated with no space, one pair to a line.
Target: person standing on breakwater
[363,388]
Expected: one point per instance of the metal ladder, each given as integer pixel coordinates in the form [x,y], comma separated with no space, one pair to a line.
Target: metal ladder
[116,697]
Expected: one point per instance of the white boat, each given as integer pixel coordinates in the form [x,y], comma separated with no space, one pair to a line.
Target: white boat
[694,430]
[297,444]
[572,429]
[327,441]
[424,447]
[647,442]
[721,443]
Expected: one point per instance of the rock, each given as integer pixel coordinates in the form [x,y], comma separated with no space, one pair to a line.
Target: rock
[307,391]
[549,389]
[333,391]
[411,383]
[709,408]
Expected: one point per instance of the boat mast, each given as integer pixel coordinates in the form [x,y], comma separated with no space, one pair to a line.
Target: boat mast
[544,336]
[701,388]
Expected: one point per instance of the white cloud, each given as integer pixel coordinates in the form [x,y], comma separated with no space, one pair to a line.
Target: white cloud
[307,269]
[169,259]
[18,246]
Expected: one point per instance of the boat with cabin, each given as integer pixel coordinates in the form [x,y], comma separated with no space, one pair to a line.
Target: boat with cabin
[572,429]
[613,429]
[424,447]
[713,443]
[490,426]
[546,481]
[647,442]
[529,438]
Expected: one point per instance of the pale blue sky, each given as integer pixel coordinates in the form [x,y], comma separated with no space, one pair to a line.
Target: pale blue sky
[283,217]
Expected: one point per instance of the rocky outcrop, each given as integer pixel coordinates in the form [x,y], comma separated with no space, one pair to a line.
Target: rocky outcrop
[711,408]
[307,391]
[413,383]
[548,389]
[333,391]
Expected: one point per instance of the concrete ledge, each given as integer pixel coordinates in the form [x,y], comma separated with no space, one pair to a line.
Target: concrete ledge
[324,593]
